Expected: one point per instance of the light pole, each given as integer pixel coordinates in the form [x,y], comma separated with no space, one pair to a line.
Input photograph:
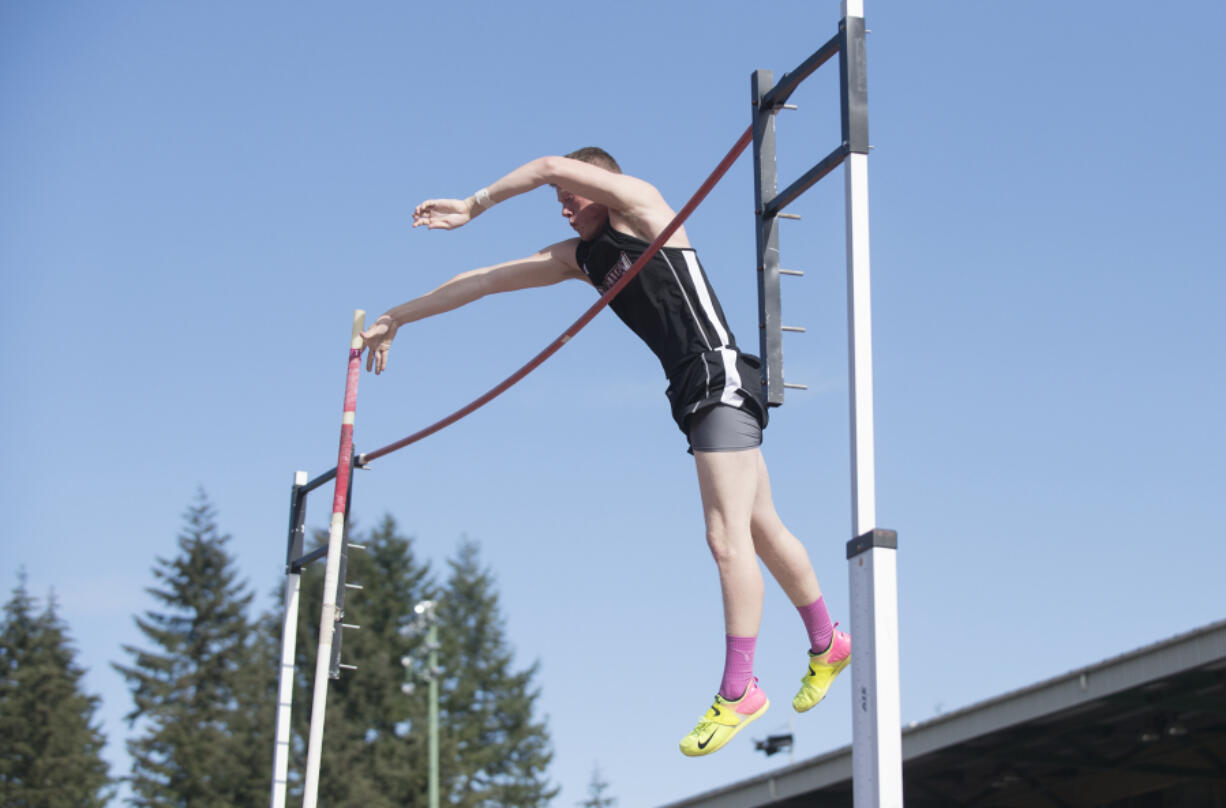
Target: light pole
[426,620]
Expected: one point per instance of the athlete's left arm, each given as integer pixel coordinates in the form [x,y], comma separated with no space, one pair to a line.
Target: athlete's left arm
[550,265]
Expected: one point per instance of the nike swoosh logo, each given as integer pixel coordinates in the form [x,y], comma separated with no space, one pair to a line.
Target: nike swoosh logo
[811,671]
[703,744]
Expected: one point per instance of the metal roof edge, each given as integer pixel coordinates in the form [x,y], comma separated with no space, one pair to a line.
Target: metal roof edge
[1185,651]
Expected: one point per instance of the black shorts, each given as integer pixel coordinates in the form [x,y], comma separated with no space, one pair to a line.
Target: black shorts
[723,428]
[709,379]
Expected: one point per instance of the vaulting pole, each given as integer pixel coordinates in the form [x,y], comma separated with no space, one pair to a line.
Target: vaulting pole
[329,618]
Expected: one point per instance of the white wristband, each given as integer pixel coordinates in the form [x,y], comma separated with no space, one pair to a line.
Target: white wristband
[482,198]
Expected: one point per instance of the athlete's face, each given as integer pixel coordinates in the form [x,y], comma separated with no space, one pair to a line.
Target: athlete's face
[585,216]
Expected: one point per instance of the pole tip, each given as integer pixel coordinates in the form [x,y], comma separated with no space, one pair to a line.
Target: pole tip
[359,325]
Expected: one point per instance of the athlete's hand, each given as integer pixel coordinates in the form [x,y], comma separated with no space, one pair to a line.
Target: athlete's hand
[378,339]
[443,214]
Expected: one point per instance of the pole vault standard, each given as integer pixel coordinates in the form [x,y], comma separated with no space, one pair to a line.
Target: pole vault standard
[289,641]
[872,553]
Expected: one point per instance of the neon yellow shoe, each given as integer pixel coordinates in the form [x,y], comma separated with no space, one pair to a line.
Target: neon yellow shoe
[724,720]
[822,669]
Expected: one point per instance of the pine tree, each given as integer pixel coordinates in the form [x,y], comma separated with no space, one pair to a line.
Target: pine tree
[595,792]
[253,725]
[201,697]
[500,750]
[374,749]
[51,755]
[492,751]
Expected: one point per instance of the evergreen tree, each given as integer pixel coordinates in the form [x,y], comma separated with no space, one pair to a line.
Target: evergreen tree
[51,755]
[375,752]
[201,696]
[595,792]
[253,725]
[499,750]
[374,749]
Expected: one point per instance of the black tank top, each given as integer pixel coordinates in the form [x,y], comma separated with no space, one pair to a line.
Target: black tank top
[671,306]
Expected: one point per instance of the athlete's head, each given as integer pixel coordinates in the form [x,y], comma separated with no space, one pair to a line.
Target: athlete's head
[597,157]
[588,218]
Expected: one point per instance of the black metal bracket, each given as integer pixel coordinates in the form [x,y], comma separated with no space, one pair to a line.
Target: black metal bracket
[767,99]
[853,81]
[877,537]
[770,324]
[296,560]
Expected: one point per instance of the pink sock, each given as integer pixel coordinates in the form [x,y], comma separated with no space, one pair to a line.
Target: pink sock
[817,623]
[738,666]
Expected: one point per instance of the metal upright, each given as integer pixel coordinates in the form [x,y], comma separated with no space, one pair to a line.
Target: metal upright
[432,790]
[295,561]
[289,637]
[872,552]
[425,621]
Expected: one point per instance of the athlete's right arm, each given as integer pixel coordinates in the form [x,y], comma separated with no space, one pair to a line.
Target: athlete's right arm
[551,265]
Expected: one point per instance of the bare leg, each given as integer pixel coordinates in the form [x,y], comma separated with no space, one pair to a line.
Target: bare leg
[728,482]
[782,552]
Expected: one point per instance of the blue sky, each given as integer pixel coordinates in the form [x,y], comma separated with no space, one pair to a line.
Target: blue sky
[194,198]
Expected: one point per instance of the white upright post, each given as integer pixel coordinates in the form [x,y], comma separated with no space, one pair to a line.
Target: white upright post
[872,554]
[285,694]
